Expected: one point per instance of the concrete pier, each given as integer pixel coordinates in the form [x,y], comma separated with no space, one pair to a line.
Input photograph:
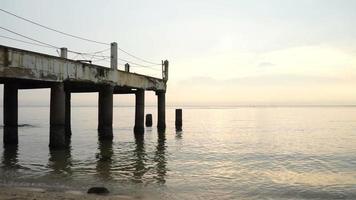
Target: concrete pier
[140,111]
[161,121]
[57,138]
[22,69]
[105,112]
[10,114]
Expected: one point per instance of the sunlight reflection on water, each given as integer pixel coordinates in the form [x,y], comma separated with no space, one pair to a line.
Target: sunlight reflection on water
[243,152]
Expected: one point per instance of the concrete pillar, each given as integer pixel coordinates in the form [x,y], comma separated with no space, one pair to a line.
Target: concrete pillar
[10,114]
[68,114]
[105,112]
[161,121]
[113,55]
[140,112]
[57,139]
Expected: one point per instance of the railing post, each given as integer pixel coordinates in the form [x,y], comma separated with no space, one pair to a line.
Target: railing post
[64,52]
[113,55]
[127,67]
[165,70]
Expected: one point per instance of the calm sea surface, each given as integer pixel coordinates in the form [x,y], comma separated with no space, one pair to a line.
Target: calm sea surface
[223,153]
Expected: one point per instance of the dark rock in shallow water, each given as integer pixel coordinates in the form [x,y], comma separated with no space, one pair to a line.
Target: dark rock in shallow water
[98,190]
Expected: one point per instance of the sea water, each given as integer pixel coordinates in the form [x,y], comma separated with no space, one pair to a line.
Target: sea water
[247,152]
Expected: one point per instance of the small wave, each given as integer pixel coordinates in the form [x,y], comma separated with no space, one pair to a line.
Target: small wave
[26,125]
[22,126]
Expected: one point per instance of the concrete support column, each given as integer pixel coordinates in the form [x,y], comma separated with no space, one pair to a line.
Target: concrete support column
[161,121]
[68,114]
[105,112]
[57,138]
[140,112]
[10,114]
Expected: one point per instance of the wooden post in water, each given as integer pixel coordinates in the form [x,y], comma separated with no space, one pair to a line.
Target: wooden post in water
[149,120]
[179,122]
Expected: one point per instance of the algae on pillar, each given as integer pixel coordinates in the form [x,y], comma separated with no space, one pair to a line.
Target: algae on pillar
[140,111]
[105,112]
[10,112]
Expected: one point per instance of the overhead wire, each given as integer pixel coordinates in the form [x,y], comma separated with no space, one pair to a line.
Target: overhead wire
[29,38]
[26,42]
[52,29]
[74,36]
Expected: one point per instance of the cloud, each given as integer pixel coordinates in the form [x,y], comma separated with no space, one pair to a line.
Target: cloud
[266,80]
[265,64]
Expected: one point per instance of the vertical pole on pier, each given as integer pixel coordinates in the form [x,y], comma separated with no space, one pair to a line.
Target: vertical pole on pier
[10,114]
[165,65]
[139,112]
[113,55]
[57,138]
[179,120]
[127,67]
[161,122]
[64,52]
[105,112]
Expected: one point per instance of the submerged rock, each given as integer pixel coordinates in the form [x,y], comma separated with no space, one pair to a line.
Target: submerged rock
[98,190]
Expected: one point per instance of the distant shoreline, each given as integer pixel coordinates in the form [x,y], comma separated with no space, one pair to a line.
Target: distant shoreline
[204,106]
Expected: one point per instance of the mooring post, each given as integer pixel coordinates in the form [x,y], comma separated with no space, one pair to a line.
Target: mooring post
[10,114]
[57,138]
[113,55]
[105,112]
[149,120]
[140,111]
[161,121]
[179,120]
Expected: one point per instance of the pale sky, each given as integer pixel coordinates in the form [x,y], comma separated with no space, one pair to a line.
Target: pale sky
[220,51]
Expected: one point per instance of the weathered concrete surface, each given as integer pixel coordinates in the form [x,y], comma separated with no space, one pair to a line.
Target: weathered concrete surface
[105,113]
[140,112]
[161,110]
[27,65]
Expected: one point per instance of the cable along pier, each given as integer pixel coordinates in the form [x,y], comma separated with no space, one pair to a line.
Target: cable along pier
[22,69]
